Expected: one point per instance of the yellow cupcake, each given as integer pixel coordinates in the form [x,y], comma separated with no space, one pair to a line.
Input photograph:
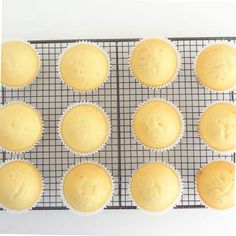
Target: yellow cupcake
[20,64]
[20,127]
[84,67]
[216,67]
[155,187]
[157,124]
[84,128]
[217,127]
[87,187]
[215,184]
[154,62]
[21,185]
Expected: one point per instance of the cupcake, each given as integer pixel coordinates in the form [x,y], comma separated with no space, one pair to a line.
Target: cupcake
[157,124]
[21,185]
[20,64]
[154,62]
[217,127]
[215,67]
[215,184]
[84,67]
[87,187]
[20,127]
[84,128]
[155,187]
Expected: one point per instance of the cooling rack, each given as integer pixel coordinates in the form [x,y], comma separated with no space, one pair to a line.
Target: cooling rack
[119,96]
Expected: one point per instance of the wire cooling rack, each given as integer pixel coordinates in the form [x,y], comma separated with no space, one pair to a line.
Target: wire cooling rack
[119,96]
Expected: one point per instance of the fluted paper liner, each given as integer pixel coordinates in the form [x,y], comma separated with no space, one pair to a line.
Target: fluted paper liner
[40,196]
[178,139]
[42,127]
[203,140]
[172,205]
[61,136]
[88,43]
[179,65]
[39,60]
[217,42]
[104,205]
[221,211]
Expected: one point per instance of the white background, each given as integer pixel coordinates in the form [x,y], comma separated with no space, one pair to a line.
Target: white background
[68,19]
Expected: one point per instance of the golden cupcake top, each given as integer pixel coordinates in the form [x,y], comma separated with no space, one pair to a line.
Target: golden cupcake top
[84,67]
[87,187]
[157,124]
[84,128]
[217,126]
[20,64]
[155,187]
[215,184]
[21,185]
[20,127]
[154,62]
[216,67]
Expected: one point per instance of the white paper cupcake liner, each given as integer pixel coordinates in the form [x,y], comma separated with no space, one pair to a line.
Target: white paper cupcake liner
[39,60]
[42,128]
[221,211]
[181,134]
[179,64]
[41,194]
[61,136]
[217,42]
[104,205]
[89,43]
[202,139]
[157,213]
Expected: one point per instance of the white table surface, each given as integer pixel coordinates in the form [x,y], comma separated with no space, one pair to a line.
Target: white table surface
[67,19]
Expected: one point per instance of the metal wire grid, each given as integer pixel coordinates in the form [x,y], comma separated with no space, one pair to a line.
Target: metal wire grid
[119,96]
[190,97]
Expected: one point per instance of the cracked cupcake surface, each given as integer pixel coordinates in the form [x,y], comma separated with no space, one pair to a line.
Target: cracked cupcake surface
[217,126]
[21,185]
[84,67]
[155,187]
[154,62]
[87,187]
[216,67]
[215,184]
[157,124]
